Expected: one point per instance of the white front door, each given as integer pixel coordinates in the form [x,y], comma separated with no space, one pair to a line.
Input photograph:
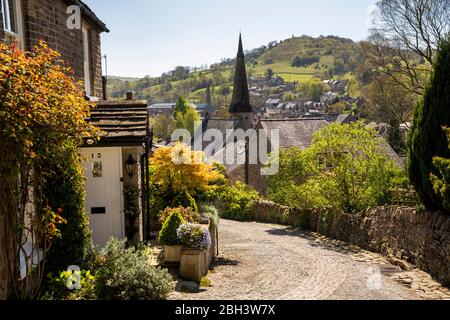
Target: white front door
[104,193]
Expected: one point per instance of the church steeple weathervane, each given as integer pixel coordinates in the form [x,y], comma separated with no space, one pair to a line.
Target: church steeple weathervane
[241,96]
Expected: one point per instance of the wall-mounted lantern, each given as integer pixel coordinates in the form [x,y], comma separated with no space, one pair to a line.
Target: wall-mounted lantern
[131,166]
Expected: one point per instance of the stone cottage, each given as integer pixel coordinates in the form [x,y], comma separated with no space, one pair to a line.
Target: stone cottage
[26,22]
[113,165]
[71,28]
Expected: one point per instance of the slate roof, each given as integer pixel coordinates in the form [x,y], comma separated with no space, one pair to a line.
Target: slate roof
[121,122]
[220,124]
[162,106]
[345,118]
[294,132]
[386,147]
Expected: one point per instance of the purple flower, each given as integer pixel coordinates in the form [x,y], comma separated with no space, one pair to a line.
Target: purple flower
[194,236]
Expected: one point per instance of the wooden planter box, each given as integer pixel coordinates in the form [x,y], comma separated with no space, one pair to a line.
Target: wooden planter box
[172,254]
[194,264]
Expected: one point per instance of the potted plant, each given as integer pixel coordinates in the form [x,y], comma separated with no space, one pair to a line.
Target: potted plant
[196,241]
[169,239]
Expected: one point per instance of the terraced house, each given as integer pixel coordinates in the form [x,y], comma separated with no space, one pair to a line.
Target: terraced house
[68,26]
[72,29]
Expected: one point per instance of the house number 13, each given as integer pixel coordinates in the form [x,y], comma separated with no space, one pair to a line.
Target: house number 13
[99,156]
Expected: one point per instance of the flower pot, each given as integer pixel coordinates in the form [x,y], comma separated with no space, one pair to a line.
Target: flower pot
[193,265]
[172,254]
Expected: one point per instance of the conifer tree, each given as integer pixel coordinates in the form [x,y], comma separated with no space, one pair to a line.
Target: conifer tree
[427,139]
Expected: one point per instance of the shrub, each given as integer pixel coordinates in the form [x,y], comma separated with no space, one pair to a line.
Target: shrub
[184,199]
[427,140]
[65,190]
[127,275]
[236,201]
[346,167]
[188,214]
[58,287]
[194,236]
[168,235]
[131,212]
[441,184]
[212,213]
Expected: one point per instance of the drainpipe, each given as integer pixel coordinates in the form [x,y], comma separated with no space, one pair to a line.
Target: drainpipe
[104,84]
[143,195]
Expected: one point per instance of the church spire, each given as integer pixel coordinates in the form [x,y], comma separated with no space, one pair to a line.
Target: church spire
[241,96]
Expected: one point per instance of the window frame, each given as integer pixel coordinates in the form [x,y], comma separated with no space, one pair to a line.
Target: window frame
[12,28]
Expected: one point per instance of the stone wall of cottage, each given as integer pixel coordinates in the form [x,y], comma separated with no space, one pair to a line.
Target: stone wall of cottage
[46,20]
[96,63]
[403,234]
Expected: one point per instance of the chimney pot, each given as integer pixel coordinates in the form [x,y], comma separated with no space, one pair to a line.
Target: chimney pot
[129,94]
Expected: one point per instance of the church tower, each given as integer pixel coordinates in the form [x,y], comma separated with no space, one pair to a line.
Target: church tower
[240,108]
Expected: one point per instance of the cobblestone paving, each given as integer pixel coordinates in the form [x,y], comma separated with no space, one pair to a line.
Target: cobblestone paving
[270,262]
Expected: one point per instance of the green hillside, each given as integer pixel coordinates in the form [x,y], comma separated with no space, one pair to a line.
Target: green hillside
[297,59]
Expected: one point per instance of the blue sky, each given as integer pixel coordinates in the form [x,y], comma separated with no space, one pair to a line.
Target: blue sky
[149,37]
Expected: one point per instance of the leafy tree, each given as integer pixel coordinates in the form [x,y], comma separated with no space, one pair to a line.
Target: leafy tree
[163,126]
[427,140]
[339,107]
[313,89]
[388,101]
[345,167]
[269,74]
[181,107]
[178,169]
[188,120]
[404,39]
[185,116]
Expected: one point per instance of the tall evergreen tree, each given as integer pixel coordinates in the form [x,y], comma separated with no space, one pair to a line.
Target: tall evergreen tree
[427,139]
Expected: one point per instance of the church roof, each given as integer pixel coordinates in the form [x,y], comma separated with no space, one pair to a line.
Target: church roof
[294,132]
[241,95]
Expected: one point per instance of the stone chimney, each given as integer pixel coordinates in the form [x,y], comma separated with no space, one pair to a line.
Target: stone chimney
[129,94]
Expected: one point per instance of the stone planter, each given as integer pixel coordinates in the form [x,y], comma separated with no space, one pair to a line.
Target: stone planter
[194,264]
[172,254]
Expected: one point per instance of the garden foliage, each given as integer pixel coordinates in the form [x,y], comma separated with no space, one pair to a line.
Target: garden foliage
[42,116]
[346,167]
[187,213]
[194,236]
[128,275]
[441,183]
[427,139]
[168,235]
